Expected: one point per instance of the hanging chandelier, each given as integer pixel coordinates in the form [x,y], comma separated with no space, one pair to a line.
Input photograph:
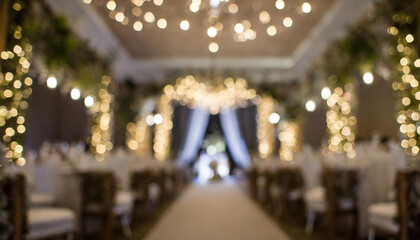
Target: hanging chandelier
[218,13]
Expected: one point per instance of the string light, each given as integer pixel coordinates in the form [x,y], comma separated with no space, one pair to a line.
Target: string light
[51,82]
[102,116]
[189,91]
[89,101]
[75,94]
[341,122]
[164,125]
[306,7]
[406,83]
[214,11]
[139,137]
[184,25]
[325,93]
[15,89]
[310,106]
[274,118]
[265,129]
[368,78]
[288,137]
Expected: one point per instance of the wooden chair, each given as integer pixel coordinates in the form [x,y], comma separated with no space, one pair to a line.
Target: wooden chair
[13,195]
[252,182]
[402,217]
[98,201]
[408,188]
[267,199]
[291,192]
[33,223]
[140,181]
[342,199]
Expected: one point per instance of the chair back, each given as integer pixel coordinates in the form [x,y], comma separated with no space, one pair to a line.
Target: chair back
[252,176]
[408,189]
[140,181]
[289,179]
[98,189]
[98,199]
[341,184]
[341,187]
[13,206]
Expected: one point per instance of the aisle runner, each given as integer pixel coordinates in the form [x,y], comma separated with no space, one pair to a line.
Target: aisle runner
[215,212]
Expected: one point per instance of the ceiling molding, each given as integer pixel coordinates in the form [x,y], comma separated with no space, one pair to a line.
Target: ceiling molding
[87,24]
[333,26]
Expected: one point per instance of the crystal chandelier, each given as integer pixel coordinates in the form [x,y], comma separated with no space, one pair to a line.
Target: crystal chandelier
[217,12]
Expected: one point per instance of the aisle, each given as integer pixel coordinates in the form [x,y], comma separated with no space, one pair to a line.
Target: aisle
[215,212]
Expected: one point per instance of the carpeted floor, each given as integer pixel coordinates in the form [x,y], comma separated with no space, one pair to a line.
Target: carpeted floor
[215,211]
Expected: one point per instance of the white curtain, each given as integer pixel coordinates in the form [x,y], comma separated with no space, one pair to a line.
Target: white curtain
[234,141]
[196,130]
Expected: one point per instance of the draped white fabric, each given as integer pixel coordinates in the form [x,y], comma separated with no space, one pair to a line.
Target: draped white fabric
[234,141]
[196,130]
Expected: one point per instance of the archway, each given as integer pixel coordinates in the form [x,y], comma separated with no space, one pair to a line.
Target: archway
[205,99]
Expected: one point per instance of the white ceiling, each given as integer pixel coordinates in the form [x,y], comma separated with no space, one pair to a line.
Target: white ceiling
[88,23]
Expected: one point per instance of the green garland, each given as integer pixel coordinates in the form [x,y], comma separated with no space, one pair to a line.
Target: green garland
[60,50]
[14,86]
[404,31]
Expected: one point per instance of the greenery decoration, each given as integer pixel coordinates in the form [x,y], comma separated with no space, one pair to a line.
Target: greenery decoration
[14,86]
[403,28]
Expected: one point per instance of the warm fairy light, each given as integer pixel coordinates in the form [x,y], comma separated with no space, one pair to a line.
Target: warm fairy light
[214,12]
[102,116]
[264,17]
[233,8]
[158,2]
[288,22]
[139,134]
[306,7]
[213,47]
[75,94]
[341,121]
[274,118]
[409,38]
[288,137]
[138,26]
[325,93]
[271,30]
[265,129]
[150,121]
[184,25]
[194,8]
[111,5]
[239,28]
[407,85]
[162,140]
[119,16]
[138,3]
[136,11]
[310,106]
[212,32]
[14,91]
[368,78]
[280,4]
[189,91]
[149,17]
[162,23]
[51,82]
[157,119]
[89,101]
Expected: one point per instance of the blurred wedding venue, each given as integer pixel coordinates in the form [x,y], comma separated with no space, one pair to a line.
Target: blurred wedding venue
[209,119]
